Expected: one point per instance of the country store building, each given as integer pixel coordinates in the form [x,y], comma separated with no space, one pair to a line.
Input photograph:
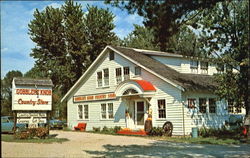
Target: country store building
[124,85]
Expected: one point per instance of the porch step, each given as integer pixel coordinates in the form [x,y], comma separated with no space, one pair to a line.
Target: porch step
[132,132]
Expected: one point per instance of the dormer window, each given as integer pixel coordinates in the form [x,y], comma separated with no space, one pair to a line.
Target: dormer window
[194,66]
[220,68]
[204,67]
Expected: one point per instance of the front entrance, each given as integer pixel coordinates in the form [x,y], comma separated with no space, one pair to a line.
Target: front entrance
[139,114]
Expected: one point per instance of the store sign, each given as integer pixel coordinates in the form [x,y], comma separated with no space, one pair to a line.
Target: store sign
[94,97]
[31,98]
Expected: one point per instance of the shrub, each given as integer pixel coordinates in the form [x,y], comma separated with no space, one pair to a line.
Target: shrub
[156,131]
[105,129]
[117,128]
[96,129]
[31,133]
[22,135]
[220,132]
[41,133]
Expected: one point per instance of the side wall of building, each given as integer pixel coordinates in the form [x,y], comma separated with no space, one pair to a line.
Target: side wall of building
[193,118]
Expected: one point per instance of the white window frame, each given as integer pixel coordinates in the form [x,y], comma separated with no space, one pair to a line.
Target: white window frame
[204,70]
[103,84]
[121,75]
[129,77]
[158,108]
[107,111]
[195,103]
[215,106]
[104,78]
[194,69]
[135,71]
[206,105]
[83,112]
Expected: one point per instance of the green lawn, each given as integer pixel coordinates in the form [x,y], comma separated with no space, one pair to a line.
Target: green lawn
[10,138]
[199,140]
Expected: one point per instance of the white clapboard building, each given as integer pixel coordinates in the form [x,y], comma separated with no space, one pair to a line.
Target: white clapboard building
[123,85]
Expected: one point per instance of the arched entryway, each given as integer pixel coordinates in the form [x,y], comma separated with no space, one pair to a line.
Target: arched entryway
[136,95]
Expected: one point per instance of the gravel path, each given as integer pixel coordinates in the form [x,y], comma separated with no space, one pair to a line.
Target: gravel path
[96,145]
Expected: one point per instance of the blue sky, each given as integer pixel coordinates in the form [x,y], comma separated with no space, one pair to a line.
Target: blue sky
[15,42]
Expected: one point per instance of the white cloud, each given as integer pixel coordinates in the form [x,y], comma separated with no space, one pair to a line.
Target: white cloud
[134,19]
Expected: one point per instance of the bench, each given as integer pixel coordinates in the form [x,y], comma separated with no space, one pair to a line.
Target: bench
[81,126]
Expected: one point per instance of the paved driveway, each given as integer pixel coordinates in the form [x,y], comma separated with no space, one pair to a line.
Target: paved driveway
[97,145]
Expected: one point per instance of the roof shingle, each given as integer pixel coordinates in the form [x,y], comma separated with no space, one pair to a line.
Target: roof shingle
[187,81]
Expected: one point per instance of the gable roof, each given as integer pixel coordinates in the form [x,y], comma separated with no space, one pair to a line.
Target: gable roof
[179,80]
[187,81]
[31,81]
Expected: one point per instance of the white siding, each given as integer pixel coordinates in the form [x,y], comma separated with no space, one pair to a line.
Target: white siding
[182,65]
[195,119]
[174,63]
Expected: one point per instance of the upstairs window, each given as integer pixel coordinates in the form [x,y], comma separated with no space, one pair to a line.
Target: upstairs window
[99,79]
[191,103]
[230,106]
[212,105]
[137,71]
[220,68]
[202,105]
[204,67]
[126,73]
[162,108]
[111,55]
[106,77]
[118,75]
[194,66]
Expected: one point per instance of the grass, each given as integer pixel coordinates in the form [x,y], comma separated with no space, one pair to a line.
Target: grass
[10,138]
[199,140]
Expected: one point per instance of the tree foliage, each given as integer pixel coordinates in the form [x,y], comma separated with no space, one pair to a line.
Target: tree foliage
[225,29]
[68,40]
[164,17]
[141,38]
[6,91]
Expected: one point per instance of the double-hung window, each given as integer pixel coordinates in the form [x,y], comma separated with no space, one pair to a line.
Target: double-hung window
[83,112]
[118,75]
[220,68]
[103,78]
[137,71]
[161,108]
[212,105]
[126,73]
[106,77]
[204,67]
[107,111]
[194,66]
[230,106]
[202,105]
[191,103]
[99,79]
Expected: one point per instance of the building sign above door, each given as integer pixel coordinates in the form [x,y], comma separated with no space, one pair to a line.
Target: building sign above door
[81,98]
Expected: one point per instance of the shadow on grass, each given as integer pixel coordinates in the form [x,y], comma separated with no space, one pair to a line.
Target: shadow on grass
[168,149]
